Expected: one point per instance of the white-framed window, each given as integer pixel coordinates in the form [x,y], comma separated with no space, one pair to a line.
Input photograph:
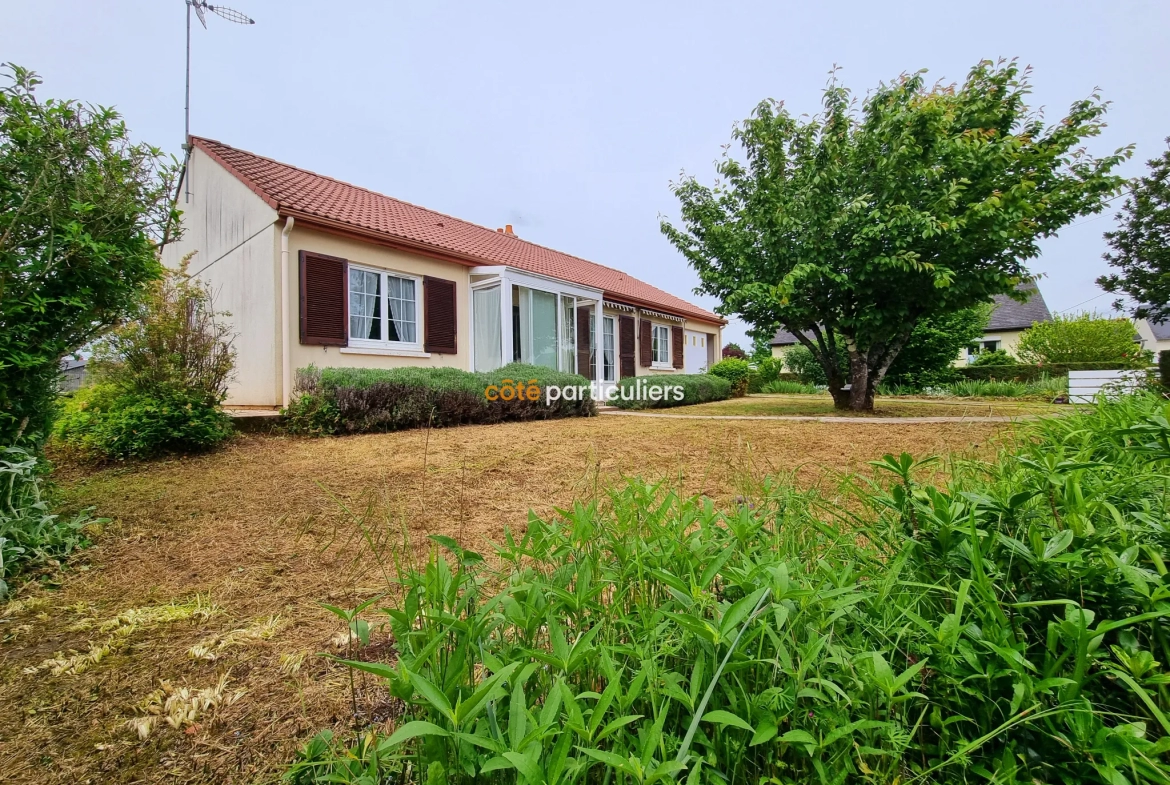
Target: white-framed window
[608,349]
[660,345]
[383,309]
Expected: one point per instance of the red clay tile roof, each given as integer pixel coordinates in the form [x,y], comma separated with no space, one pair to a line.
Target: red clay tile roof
[303,194]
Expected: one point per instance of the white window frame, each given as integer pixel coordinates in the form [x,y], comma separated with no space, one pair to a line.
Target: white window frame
[664,345]
[613,367]
[384,306]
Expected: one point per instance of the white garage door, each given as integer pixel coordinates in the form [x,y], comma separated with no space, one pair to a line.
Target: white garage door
[694,351]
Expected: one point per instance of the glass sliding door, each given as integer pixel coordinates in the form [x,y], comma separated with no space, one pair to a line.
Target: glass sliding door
[544,328]
[568,342]
[486,328]
[543,322]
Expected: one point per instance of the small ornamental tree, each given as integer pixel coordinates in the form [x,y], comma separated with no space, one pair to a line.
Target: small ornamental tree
[733,350]
[81,208]
[855,225]
[1084,338]
[1141,244]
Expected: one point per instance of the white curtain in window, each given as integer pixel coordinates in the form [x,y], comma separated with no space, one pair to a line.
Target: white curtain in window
[661,344]
[485,318]
[607,350]
[592,346]
[365,297]
[400,298]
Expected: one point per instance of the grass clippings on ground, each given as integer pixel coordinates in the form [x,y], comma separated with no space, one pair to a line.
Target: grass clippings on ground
[260,530]
[822,406]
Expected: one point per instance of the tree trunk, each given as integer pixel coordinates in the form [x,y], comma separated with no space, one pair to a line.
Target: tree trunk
[825,351]
[860,399]
[840,397]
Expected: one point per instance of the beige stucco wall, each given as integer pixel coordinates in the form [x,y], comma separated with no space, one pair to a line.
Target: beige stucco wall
[1008,340]
[369,255]
[232,232]
[779,351]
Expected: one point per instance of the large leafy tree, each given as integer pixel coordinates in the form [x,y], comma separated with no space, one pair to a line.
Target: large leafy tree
[856,224]
[1141,244]
[80,209]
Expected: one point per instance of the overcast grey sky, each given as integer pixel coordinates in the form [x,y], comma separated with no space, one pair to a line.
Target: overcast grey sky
[569,120]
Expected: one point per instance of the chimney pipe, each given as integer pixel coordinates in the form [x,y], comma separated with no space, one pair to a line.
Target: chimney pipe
[508,229]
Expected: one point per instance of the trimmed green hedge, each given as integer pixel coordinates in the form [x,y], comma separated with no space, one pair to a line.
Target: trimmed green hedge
[736,371]
[697,388]
[366,400]
[1031,373]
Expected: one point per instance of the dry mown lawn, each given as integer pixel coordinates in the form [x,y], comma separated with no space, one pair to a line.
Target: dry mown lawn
[822,406]
[229,554]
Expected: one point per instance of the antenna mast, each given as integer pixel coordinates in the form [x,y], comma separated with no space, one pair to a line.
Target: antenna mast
[230,15]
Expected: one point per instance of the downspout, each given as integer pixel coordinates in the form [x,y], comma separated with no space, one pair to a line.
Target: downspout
[285,328]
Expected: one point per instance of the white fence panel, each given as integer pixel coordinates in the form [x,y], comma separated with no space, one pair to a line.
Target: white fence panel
[1084,386]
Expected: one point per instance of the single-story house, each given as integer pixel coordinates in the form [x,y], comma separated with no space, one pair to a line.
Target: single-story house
[315,271]
[1155,336]
[1008,319]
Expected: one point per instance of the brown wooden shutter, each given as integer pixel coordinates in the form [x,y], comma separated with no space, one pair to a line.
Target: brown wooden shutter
[439,316]
[645,347]
[676,346]
[626,346]
[324,299]
[583,354]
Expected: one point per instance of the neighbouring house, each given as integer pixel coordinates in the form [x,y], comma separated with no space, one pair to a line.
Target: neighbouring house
[1008,319]
[315,271]
[72,374]
[783,340]
[1154,336]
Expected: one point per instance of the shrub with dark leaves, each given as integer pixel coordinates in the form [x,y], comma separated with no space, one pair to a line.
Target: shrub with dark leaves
[365,400]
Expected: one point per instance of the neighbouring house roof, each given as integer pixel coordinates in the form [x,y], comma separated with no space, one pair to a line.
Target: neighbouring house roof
[1161,329]
[331,203]
[1008,315]
[1011,314]
[785,338]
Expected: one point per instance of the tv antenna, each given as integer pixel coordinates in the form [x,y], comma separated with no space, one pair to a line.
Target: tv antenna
[231,15]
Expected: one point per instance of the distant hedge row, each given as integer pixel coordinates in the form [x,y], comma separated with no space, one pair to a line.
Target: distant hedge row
[1031,373]
[366,400]
[696,388]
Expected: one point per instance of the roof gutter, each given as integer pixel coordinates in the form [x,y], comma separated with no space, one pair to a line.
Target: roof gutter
[442,254]
[379,238]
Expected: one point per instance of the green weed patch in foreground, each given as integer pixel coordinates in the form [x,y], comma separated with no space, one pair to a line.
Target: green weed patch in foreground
[1009,626]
